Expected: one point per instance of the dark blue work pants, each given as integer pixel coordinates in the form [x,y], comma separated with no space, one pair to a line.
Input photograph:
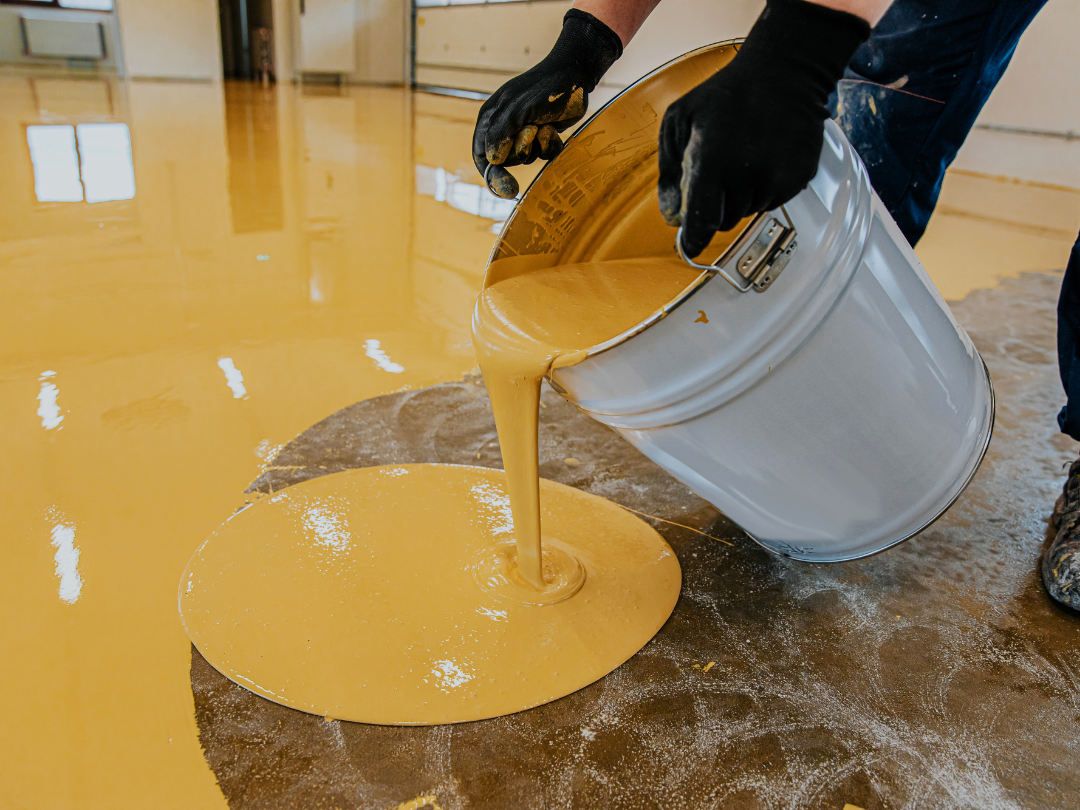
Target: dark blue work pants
[909,98]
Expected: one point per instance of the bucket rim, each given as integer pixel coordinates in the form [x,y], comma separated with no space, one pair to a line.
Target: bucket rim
[733,43]
[695,286]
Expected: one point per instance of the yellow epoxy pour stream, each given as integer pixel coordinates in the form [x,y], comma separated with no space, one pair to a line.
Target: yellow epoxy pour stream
[526,325]
[133,303]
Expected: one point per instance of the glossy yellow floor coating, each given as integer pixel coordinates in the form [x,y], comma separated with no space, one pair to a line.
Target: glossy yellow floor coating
[986,228]
[278,235]
[307,241]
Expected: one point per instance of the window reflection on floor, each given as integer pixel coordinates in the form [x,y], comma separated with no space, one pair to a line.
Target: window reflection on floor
[105,155]
[472,198]
[56,163]
[88,161]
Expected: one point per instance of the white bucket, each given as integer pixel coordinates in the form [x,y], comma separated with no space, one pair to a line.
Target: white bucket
[833,409]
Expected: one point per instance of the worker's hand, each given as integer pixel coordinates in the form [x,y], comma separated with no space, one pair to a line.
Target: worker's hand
[521,121]
[748,139]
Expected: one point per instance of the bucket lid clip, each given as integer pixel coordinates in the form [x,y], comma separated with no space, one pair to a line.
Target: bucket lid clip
[757,257]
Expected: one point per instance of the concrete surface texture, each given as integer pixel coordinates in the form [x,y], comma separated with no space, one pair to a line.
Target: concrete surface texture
[936,674]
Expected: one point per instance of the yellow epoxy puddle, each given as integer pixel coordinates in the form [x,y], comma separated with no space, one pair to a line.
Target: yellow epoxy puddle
[361,596]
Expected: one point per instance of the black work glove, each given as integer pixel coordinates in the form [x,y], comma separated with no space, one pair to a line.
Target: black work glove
[521,121]
[748,139]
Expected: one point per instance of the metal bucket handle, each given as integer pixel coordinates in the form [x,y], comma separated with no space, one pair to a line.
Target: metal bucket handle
[757,257]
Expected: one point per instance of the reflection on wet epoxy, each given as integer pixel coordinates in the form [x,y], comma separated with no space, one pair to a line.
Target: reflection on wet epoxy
[107,169]
[374,350]
[119,311]
[48,407]
[472,198]
[66,557]
[233,378]
[56,163]
[90,162]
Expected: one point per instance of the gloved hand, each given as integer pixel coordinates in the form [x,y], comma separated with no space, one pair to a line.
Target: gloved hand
[521,121]
[748,139]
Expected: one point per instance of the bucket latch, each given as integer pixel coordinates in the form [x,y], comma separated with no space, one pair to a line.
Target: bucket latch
[757,257]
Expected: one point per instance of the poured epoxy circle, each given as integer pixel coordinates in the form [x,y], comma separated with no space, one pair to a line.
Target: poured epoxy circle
[362,596]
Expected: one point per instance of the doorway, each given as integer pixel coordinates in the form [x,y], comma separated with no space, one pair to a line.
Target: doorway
[247,39]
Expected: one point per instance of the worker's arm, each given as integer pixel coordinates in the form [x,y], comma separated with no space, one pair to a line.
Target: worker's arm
[522,119]
[625,17]
[748,138]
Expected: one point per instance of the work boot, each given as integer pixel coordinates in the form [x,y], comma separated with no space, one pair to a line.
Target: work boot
[1061,563]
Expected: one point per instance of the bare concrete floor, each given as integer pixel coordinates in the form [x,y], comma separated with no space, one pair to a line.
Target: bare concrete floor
[937,674]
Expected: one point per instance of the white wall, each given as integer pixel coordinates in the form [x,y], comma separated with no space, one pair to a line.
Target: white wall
[678,26]
[501,37]
[380,41]
[179,39]
[1041,88]
[173,39]
[381,36]
[1039,91]
[478,47]
[285,13]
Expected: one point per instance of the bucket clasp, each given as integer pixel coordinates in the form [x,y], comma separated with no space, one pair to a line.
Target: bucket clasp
[757,257]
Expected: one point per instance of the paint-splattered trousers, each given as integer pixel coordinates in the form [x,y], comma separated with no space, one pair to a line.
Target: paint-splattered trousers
[907,102]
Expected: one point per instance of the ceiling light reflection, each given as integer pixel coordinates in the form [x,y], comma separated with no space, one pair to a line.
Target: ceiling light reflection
[66,558]
[233,378]
[373,350]
[48,405]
